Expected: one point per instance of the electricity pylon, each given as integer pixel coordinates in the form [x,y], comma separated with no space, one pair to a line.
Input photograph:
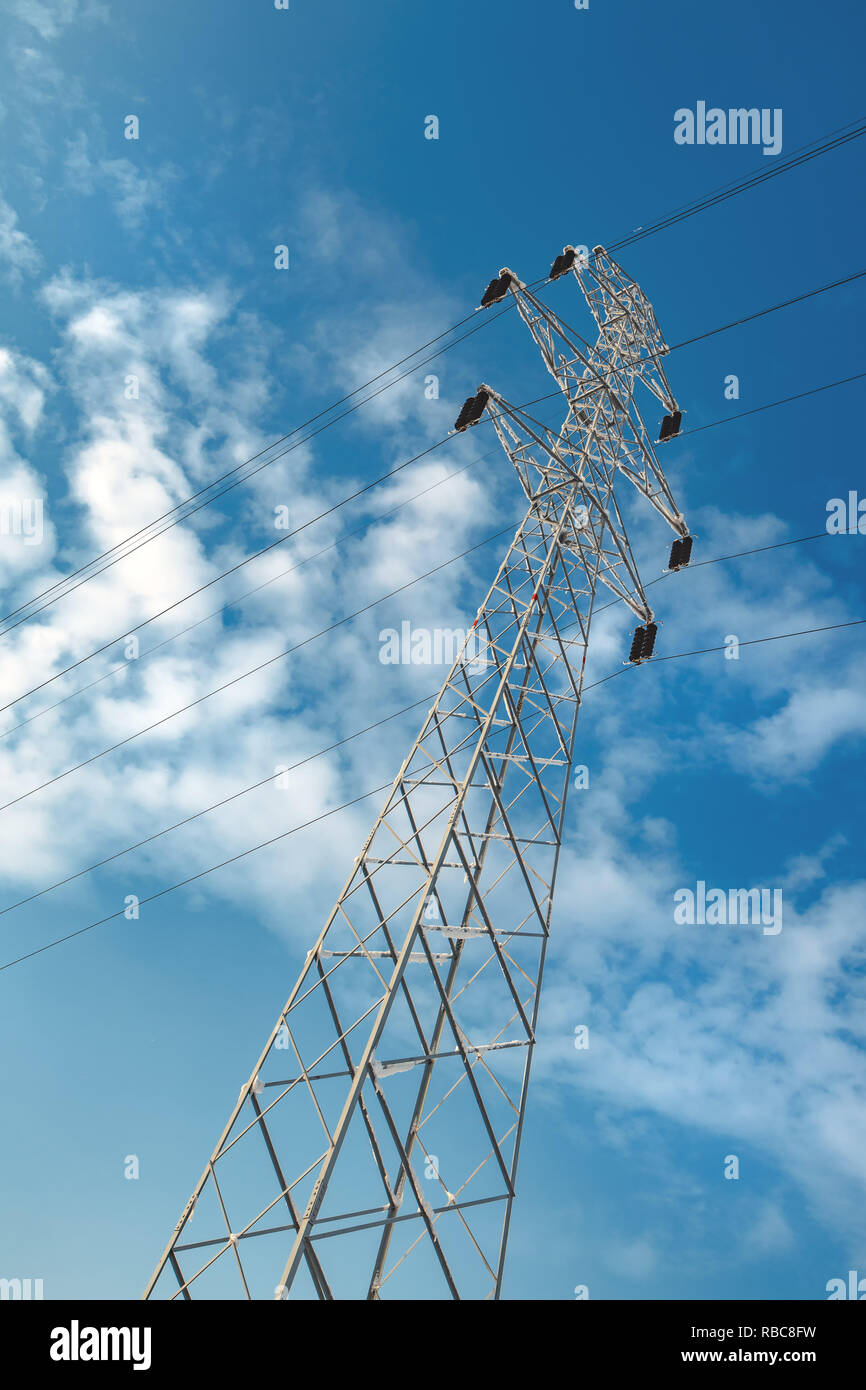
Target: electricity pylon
[373,1151]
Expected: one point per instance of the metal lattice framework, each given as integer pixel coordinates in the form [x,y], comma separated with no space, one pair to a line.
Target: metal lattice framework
[373,1151]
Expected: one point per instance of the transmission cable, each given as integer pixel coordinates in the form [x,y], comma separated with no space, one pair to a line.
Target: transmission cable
[395,714]
[262,665]
[237,483]
[752,181]
[552,395]
[202,873]
[821,140]
[670,220]
[232,603]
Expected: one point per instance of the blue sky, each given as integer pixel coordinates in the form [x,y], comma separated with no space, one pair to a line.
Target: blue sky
[156,257]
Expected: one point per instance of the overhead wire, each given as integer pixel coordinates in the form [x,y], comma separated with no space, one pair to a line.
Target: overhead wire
[820,140]
[216,805]
[274,839]
[820,146]
[256,555]
[193,878]
[763,175]
[395,714]
[224,607]
[254,670]
[125,665]
[751,642]
[423,454]
[237,483]
[688,210]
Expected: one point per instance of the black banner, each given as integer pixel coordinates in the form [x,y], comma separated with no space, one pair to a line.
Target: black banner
[63,1339]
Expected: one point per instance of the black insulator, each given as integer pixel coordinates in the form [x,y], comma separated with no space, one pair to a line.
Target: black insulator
[478,409]
[471,411]
[681,552]
[463,418]
[649,640]
[637,644]
[670,426]
[563,263]
[496,290]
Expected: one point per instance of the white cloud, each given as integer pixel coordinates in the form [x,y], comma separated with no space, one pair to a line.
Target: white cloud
[741,1036]
[757,1040]
[18,254]
[631,1259]
[50,17]
[796,738]
[135,191]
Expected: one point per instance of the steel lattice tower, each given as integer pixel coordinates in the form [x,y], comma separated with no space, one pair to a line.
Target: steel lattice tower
[373,1151]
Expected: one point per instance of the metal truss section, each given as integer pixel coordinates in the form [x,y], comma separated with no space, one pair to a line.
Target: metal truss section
[598,529]
[373,1151]
[599,380]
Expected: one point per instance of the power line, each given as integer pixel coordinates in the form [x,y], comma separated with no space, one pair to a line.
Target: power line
[217,495]
[262,665]
[233,603]
[771,405]
[715,560]
[201,874]
[423,454]
[676,656]
[752,642]
[797,299]
[167,830]
[735,183]
[263,781]
[687,210]
[727,419]
[723,328]
[742,186]
[128,632]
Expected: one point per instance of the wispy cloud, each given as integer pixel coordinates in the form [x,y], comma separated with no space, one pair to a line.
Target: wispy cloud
[50,17]
[18,254]
[134,192]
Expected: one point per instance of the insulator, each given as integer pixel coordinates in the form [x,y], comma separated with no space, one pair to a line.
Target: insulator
[471,411]
[637,644]
[649,640]
[496,290]
[462,420]
[681,552]
[670,426]
[563,263]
